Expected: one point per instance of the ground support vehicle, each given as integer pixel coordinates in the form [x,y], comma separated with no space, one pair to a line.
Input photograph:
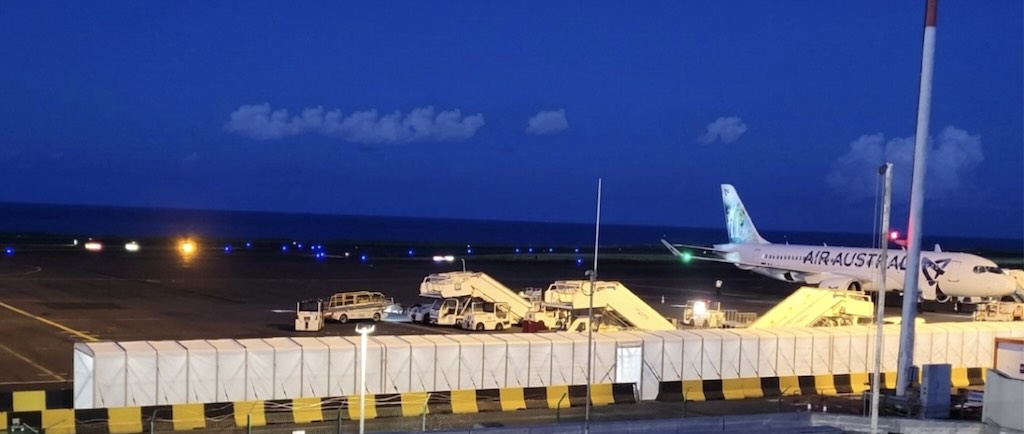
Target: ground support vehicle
[345,306]
[451,311]
[547,316]
[457,289]
[619,307]
[424,313]
[309,316]
[810,306]
[482,316]
[604,324]
[703,314]
[707,314]
[999,311]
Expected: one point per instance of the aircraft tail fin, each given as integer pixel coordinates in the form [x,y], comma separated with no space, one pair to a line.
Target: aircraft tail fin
[741,228]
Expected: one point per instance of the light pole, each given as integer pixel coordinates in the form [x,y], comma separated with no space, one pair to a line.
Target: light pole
[363,332]
[911,292]
[590,313]
[876,377]
[463,264]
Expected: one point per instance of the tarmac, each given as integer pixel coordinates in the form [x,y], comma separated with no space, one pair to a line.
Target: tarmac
[51,300]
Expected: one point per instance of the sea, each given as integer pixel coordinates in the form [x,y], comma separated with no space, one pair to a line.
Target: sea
[20,220]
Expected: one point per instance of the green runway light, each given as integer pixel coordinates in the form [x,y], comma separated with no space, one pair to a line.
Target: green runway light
[686,257]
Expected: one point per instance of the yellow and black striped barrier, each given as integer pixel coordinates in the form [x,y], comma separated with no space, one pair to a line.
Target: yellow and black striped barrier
[34,400]
[128,420]
[53,411]
[773,387]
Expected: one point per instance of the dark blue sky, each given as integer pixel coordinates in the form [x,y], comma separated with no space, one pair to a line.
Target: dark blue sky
[511,110]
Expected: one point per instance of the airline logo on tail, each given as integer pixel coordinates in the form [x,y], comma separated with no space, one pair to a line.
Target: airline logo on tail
[741,228]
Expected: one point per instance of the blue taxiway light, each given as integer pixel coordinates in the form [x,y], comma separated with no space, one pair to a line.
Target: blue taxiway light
[579,261]
[412,252]
[248,245]
[576,250]
[517,250]
[284,248]
[9,251]
[227,249]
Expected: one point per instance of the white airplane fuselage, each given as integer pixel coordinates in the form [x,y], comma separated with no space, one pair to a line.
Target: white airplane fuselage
[941,273]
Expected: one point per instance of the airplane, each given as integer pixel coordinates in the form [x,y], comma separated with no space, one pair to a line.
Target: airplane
[944,276]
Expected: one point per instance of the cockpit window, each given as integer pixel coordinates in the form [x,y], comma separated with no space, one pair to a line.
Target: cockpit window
[978,269]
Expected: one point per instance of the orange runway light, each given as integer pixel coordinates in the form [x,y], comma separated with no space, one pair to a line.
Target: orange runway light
[187,247]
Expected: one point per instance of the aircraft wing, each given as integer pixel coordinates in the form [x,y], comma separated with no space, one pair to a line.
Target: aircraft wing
[672,248]
[710,259]
[704,249]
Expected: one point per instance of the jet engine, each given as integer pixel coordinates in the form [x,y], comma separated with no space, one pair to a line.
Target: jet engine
[932,292]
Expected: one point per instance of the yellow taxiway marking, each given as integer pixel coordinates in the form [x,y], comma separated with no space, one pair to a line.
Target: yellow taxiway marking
[82,335]
[29,361]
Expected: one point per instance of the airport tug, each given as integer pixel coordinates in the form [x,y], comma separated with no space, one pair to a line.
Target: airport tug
[309,316]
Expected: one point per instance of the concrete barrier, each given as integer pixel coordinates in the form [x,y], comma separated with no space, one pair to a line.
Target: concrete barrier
[773,387]
[31,408]
[33,400]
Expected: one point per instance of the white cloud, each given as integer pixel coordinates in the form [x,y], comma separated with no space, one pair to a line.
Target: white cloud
[258,122]
[367,127]
[952,159]
[547,122]
[727,129]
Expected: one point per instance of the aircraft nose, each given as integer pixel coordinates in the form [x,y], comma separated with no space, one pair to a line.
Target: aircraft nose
[1009,284]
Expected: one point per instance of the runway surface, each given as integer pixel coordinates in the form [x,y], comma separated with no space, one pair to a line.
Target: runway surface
[50,300]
